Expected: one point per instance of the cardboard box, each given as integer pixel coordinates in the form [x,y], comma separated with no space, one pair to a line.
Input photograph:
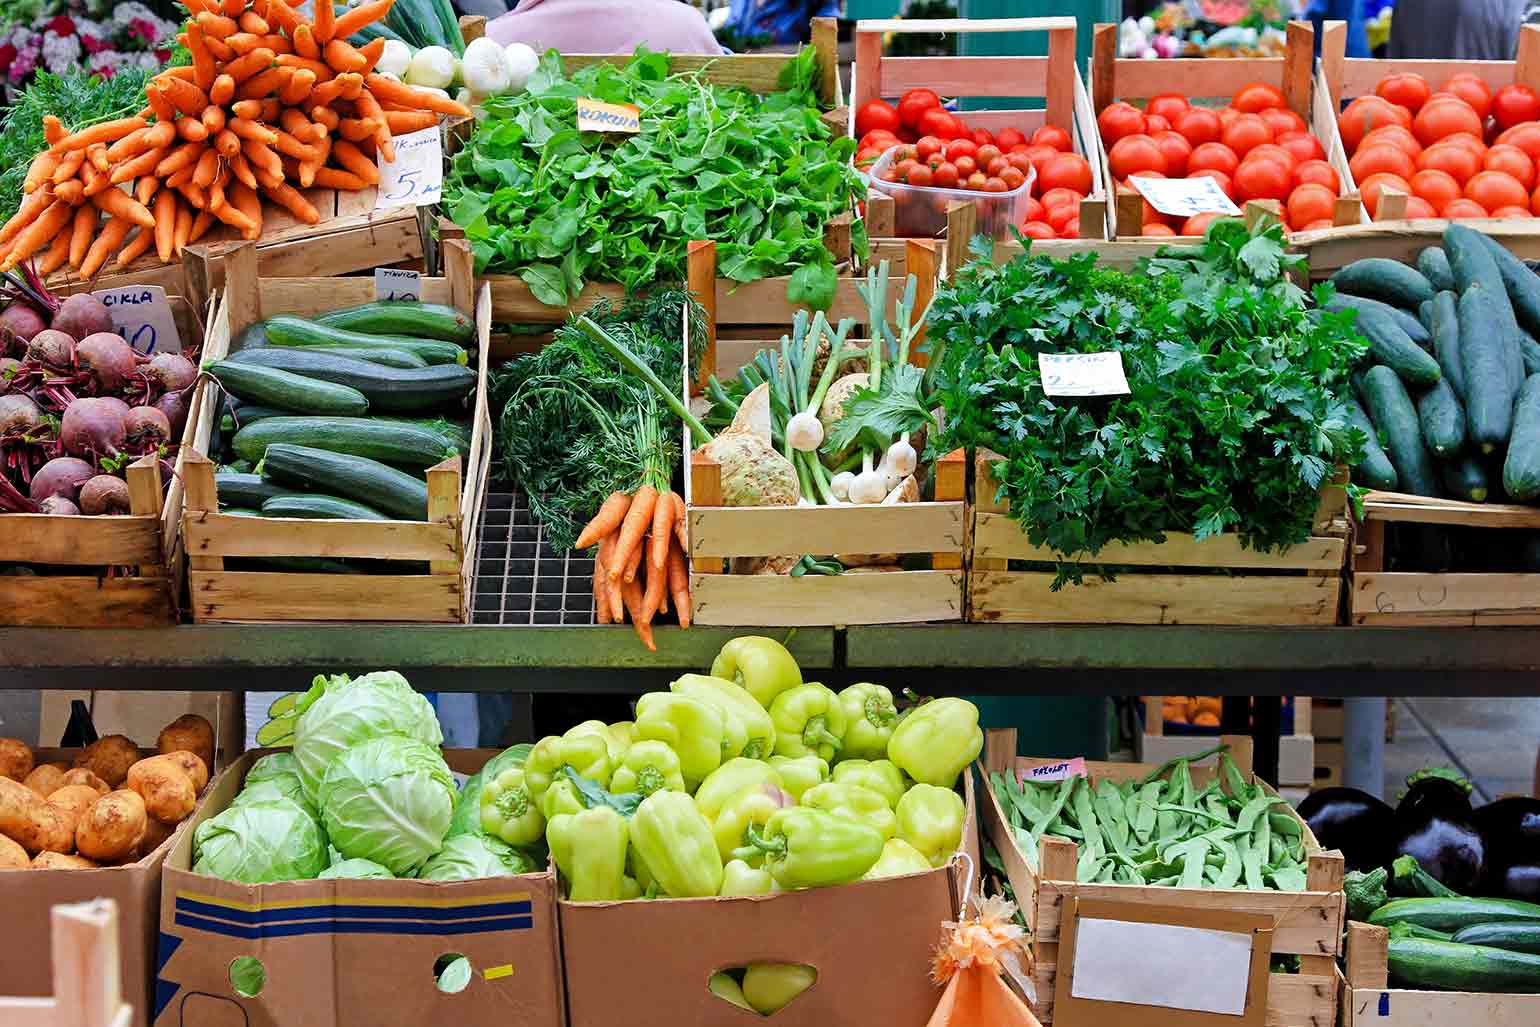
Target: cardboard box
[28,896]
[353,953]
[645,964]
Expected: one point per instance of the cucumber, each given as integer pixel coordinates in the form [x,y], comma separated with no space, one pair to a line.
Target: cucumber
[404,444]
[419,320]
[1453,914]
[1522,285]
[388,389]
[270,386]
[1433,263]
[329,508]
[1451,966]
[1470,260]
[1392,347]
[296,332]
[385,357]
[248,491]
[1513,937]
[1445,329]
[1521,467]
[1483,356]
[1414,328]
[1394,414]
[1375,469]
[1378,278]
[1441,416]
[1466,479]
[251,413]
[392,492]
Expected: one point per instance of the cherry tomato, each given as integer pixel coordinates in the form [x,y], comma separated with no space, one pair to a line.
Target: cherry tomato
[926,147]
[945,175]
[906,165]
[1019,161]
[890,175]
[994,167]
[966,166]
[915,103]
[876,114]
[1007,138]
[920,174]
[1054,136]
[996,185]
[936,122]
[961,148]
[982,137]
[1013,177]
[986,153]
[976,181]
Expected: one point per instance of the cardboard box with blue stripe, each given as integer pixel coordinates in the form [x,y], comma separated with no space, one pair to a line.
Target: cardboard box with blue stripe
[354,952]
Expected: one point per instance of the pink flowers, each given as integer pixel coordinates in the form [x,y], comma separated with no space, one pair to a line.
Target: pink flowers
[132,35]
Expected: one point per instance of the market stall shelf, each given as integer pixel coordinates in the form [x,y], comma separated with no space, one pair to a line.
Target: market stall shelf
[1369,999]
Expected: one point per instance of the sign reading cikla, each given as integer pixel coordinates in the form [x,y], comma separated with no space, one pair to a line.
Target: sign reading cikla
[1082,374]
[597,116]
[416,177]
[142,315]
[1184,197]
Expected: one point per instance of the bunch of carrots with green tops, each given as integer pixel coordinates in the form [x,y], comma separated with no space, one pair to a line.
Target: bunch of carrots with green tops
[641,563]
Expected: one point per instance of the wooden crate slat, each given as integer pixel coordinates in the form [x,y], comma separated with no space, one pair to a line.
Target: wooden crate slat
[758,73]
[791,531]
[1392,506]
[82,602]
[815,599]
[1026,597]
[1293,1000]
[214,534]
[81,541]
[1439,598]
[997,535]
[302,299]
[1196,77]
[966,76]
[276,596]
[1389,1007]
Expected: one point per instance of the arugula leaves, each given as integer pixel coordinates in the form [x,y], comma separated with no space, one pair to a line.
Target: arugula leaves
[559,207]
[1234,420]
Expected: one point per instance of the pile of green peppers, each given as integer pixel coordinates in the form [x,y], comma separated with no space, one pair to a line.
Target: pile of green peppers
[744,782]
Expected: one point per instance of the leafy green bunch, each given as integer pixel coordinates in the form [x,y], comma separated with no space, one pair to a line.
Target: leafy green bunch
[559,207]
[1233,421]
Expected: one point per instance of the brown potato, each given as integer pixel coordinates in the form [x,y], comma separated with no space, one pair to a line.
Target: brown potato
[60,861]
[167,791]
[27,819]
[75,798]
[15,759]
[12,855]
[155,834]
[82,776]
[192,765]
[46,778]
[109,758]
[112,827]
[189,733]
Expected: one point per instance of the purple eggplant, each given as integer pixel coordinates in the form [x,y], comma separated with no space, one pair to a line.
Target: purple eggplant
[1353,821]
[1435,825]
[1511,829]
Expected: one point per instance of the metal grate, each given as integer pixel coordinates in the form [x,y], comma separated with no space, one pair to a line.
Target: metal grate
[520,578]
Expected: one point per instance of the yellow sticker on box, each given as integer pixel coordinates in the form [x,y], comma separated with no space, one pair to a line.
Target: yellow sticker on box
[493,973]
[596,116]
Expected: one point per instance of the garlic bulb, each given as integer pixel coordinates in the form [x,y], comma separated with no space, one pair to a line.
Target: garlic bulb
[394,59]
[484,69]
[804,432]
[901,457]
[840,485]
[522,62]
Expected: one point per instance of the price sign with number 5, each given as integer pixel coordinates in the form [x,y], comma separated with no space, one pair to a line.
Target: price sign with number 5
[416,177]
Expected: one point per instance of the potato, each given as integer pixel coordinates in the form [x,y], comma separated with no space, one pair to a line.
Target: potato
[73,801]
[12,855]
[192,765]
[15,759]
[167,791]
[109,759]
[60,861]
[154,835]
[112,827]
[189,733]
[82,776]
[27,819]
[46,778]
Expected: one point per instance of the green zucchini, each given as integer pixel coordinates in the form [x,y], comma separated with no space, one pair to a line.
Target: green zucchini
[252,336]
[388,389]
[1451,966]
[1415,931]
[1375,470]
[1414,328]
[1483,355]
[1410,878]
[1382,279]
[1393,413]
[251,413]
[1395,349]
[417,320]
[1466,479]
[392,492]
[1513,937]
[270,386]
[385,357]
[400,443]
[1453,914]
[1521,467]
[248,491]
[313,506]
[1445,329]
[293,332]
[1433,263]
[1442,419]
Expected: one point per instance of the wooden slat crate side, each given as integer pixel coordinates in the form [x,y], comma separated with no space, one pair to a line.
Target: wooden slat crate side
[261,596]
[1369,1001]
[1293,1000]
[81,602]
[1024,597]
[81,541]
[998,535]
[813,600]
[215,534]
[721,532]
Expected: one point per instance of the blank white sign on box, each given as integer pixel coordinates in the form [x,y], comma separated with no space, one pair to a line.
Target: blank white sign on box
[1158,965]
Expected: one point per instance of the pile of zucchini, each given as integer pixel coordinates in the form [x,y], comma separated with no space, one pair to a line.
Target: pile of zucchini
[340,417]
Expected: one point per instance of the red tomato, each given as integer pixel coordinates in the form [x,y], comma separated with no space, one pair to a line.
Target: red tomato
[1468,141]
[1226,116]
[1274,153]
[975,181]
[1302,146]
[927,147]
[1157,228]
[1062,215]
[982,137]
[867,157]
[1459,162]
[1510,159]
[1167,105]
[1218,176]
[1463,208]
[993,184]
[876,114]
[1019,148]
[1038,230]
[1281,120]
[1135,153]
[1154,123]
[1245,132]
[1417,207]
[1031,210]
[1020,161]
[966,166]
[1526,137]
[1317,171]
[1381,157]
[1408,89]
[1054,136]
[1067,170]
[903,167]
[880,138]
[1199,125]
[1039,155]
[1439,118]
[1369,189]
[1367,113]
[1213,155]
[1493,189]
[1310,202]
[1013,177]
[1510,212]
[945,175]
[1394,135]
[1060,196]
[1472,90]
[1257,97]
[936,122]
[961,148]
[920,174]
[890,175]
[1176,149]
[1515,104]
[1436,188]
[1534,202]
[1315,226]
[1261,180]
[1197,224]
[1007,138]
[994,167]
[915,103]
[1071,228]
[986,153]
[1117,120]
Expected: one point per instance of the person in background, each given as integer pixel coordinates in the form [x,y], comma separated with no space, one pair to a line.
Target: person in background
[605,26]
[1459,30]
[1350,11]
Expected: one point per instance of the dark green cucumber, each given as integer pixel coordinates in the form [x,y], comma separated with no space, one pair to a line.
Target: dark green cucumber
[1441,416]
[1433,263]
[1513,937]
[388,389]
[328,508]
[392,492]
[1393,413]
[271,386]
[1445,329]
[385,357]
[288,331]
[1470,260]
[1392,347]
[1522,284]
[1414,328]
[1379,278]
[248,491]
[390,442]
[1529,352]
[1453,914]
[420,320]
[1450,966]
[1466,479]
[1375,470]
[1521,467]
[1489,387]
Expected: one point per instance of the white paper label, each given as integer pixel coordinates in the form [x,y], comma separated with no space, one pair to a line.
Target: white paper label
[1184,197]
[416,177]
[1055,771]
[142,315]
[1158,965]
[596,116]
[1082,374]
[392,283]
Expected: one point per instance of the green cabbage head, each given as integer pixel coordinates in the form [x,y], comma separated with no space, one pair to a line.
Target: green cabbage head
[356,868]
[389,800]
[466,857]
[277,786]
[260,841]
[349,712]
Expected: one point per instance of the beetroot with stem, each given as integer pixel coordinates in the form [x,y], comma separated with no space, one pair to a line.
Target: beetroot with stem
[53,348]
[104,494]
[81,315]
[173,371]
[58,506]
[174,406]
[109,359]
[61,476]
[18,414]
[19,322]
[94,427]
[10,370]
[146,429]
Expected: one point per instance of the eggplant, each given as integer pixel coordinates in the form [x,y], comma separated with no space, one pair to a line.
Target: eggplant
[1435,825]
[1511,829]
[1353,821]
[1517,881]
[1436,790]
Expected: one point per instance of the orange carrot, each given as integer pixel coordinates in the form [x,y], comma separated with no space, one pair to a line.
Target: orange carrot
[165,225]
[262,158]
[216,189]
[181,235]
[232,8]
[278,44]
[247,66]
[402,122]
[283,17]
[252,130]
[218,49]
[287,196]
[327,92]
[249,203]
[681,515]
[344,57]
[48,224]
[86,218]
[203,61]
[121,205]
[96,155]
[371,52]
[105,132]
[251,21]
[300,127]
[601,596]
[631,592]
[306,171]
[165,112]
[638,516]
[242,171]
[195,6]
[350,158]
[136,248]
[653,592]
[331,178]
[130,145]
[396,92]
[107,240]
[244,42]
[217,25]
[93,180]
[180,178]
[356,129]
[144,164]
[41,171]
[32,205]
[353,88]
[208,167]
[201,223]
[56,255]
[299,86]
[53,129]
[184,72]
[213,119]
[357,17]
[679,584]
[221,92]
[251,110]
[145,188]
[266,177]
[261,84]
[662,530]
[228,144]
[325,23]
[606,521]
[231,215]
[184,156]
[162,133]
[292,147]
[72,192]
[305,44]
[323,71]
[69,167]
[191,129]
[326,117]
[186,97]
[195,196]
[604,557]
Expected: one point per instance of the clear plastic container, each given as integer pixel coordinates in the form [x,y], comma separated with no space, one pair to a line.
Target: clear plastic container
[919,211]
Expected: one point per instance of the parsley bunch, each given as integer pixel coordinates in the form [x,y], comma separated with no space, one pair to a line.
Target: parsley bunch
[1234,420]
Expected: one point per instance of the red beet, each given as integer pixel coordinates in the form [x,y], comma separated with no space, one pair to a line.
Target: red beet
[109,358]
[19,322]
[18,413]
[10,367]
[58,506]
[94,427]
[146,429]
[53,348]
[174,371]
[81,315]
[104,494]
[174,406]
[61,476]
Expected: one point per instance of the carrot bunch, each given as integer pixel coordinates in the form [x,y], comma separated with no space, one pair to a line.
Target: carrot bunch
[641,563]
[270,105]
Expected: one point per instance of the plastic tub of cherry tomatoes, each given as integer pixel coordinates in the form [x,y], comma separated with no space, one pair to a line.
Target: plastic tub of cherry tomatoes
[924,190]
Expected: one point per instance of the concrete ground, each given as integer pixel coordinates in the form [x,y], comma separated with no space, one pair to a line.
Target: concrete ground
[1491,741]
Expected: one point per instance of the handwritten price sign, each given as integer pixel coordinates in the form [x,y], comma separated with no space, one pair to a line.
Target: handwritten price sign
[595,116]
[416,177]
[1054,771]
[1082,374]
[392,283]
[142,315]
[1185,197]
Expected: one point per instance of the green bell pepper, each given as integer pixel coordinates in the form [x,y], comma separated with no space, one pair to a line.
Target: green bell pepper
[722,985]
[752,807]
[808,848]
[728,780]
[629,889]
[760,665]
[622,736]
[853,802]
[898,858]
[738,878]
[590,850]
[808,722]
[507,810]
[934,742]
[880,776]
[931,819]
[869,718]
[562,797]
[636,867]
[689,727]
[768,987]
[584,749]
[675,841]
[749,721]
[648,766]
[800,773]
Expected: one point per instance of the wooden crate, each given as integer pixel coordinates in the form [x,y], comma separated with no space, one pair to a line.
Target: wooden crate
[445,541]
[1369,1001]
[1341,79]
[1211,82]
[1301,585]
[718,533]
[1296,750]
[87,991]
[1307,924]
[1055,77]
